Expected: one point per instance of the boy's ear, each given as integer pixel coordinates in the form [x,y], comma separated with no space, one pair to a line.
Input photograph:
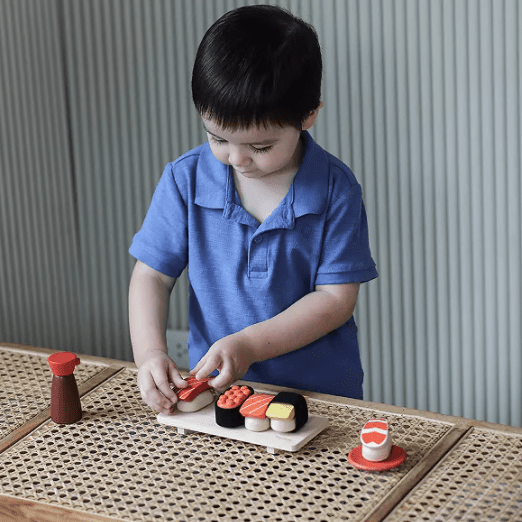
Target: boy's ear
[310,119]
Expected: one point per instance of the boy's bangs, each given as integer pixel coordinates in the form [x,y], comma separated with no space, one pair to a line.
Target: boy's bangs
[236,110]
[242,119]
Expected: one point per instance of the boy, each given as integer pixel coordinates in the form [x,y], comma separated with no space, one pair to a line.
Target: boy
[272,227]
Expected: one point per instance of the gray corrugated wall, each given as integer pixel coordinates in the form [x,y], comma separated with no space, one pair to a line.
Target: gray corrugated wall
[40,275]
[422,100]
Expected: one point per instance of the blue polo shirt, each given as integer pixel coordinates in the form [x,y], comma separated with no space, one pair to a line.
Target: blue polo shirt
[242,272]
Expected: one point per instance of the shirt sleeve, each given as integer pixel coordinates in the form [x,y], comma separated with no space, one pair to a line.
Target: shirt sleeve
[162,241]
[346,256]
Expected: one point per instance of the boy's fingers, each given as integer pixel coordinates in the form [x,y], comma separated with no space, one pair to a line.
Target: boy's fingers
[147,385]
[152,397]
[198,366]
[206,369]
[163,385]
[177,379]
[202,373]
[224,379]
[195,369]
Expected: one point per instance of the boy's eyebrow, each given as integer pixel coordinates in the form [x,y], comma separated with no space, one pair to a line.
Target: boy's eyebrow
[263,142]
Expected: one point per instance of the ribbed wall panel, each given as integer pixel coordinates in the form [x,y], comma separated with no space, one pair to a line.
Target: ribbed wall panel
[422,100]
[39,272]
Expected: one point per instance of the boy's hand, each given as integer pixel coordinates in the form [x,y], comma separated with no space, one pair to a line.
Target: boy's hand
[231,356]
[154,378]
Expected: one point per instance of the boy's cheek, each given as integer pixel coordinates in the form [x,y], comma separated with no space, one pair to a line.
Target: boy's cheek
[219,156]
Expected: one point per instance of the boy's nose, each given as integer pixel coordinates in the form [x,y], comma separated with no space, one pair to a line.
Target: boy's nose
[238,158]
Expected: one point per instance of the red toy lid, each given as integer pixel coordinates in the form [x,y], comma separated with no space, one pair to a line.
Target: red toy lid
[396,458]
[63,363]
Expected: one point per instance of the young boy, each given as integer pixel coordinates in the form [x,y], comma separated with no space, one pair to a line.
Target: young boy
[272,227]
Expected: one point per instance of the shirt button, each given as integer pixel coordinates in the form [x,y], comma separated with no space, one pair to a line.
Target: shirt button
[258,239]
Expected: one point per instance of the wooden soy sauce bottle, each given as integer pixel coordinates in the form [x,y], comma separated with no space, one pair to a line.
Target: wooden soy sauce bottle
[65,399]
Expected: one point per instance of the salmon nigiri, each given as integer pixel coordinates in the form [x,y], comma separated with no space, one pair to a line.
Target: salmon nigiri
[195,396]
[376,440]
[254,411]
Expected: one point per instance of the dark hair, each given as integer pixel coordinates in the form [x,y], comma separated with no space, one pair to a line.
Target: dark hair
[258,65]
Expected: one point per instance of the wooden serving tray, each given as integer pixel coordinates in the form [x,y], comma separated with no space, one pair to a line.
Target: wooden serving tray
[204,421]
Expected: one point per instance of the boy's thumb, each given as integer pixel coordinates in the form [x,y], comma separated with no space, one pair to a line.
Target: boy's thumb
[175,378]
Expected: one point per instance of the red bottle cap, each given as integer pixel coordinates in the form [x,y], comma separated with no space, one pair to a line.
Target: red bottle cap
[63,363]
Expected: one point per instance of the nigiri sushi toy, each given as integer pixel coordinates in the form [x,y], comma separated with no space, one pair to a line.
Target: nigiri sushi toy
[376,440]
[377,451]
[254,412]
[195,396]
[228,405]
[287,412]
[282,417]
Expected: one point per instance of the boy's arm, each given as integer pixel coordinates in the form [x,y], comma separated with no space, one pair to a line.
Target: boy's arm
[149,296]
[308,319]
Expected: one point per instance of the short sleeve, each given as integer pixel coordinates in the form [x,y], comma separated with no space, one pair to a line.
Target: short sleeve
[162,241]
[345,254]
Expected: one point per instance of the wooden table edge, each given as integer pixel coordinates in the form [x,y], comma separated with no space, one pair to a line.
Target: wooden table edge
[88,359]
[24,510]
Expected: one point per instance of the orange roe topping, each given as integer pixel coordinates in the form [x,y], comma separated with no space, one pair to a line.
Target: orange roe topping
[234,397]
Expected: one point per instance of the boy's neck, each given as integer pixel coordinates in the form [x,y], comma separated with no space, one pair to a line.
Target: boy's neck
[281,178]
[260,197]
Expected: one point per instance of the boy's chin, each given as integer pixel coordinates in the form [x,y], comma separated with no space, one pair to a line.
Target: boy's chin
[248,173]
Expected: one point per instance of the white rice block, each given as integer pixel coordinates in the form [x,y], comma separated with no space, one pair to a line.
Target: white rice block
[203,399]
[283,426]
[253,424]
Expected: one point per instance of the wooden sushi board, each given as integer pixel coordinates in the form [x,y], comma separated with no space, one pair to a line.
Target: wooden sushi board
[204,421]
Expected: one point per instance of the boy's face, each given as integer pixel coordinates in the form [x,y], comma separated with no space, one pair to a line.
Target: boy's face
[256,152]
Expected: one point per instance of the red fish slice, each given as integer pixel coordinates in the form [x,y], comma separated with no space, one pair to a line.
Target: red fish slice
[373,436]
[195,387]
[256,405]
[375,431]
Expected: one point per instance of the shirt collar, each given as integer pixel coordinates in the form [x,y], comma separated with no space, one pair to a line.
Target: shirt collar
[310,185]
[311,181]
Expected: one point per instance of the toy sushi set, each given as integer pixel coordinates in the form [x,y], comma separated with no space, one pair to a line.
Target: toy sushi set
[278,422]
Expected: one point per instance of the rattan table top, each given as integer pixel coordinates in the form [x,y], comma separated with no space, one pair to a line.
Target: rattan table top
[480,479]
[25,389]
[119,462]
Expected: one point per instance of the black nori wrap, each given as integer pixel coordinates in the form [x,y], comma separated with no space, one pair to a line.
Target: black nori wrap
[230,417]
[299,404]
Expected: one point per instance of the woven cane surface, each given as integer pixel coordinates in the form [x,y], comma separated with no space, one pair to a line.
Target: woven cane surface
[480,479]
[119,461]
[25,388]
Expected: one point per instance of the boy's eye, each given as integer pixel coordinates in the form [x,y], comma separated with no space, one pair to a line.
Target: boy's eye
[264,150]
